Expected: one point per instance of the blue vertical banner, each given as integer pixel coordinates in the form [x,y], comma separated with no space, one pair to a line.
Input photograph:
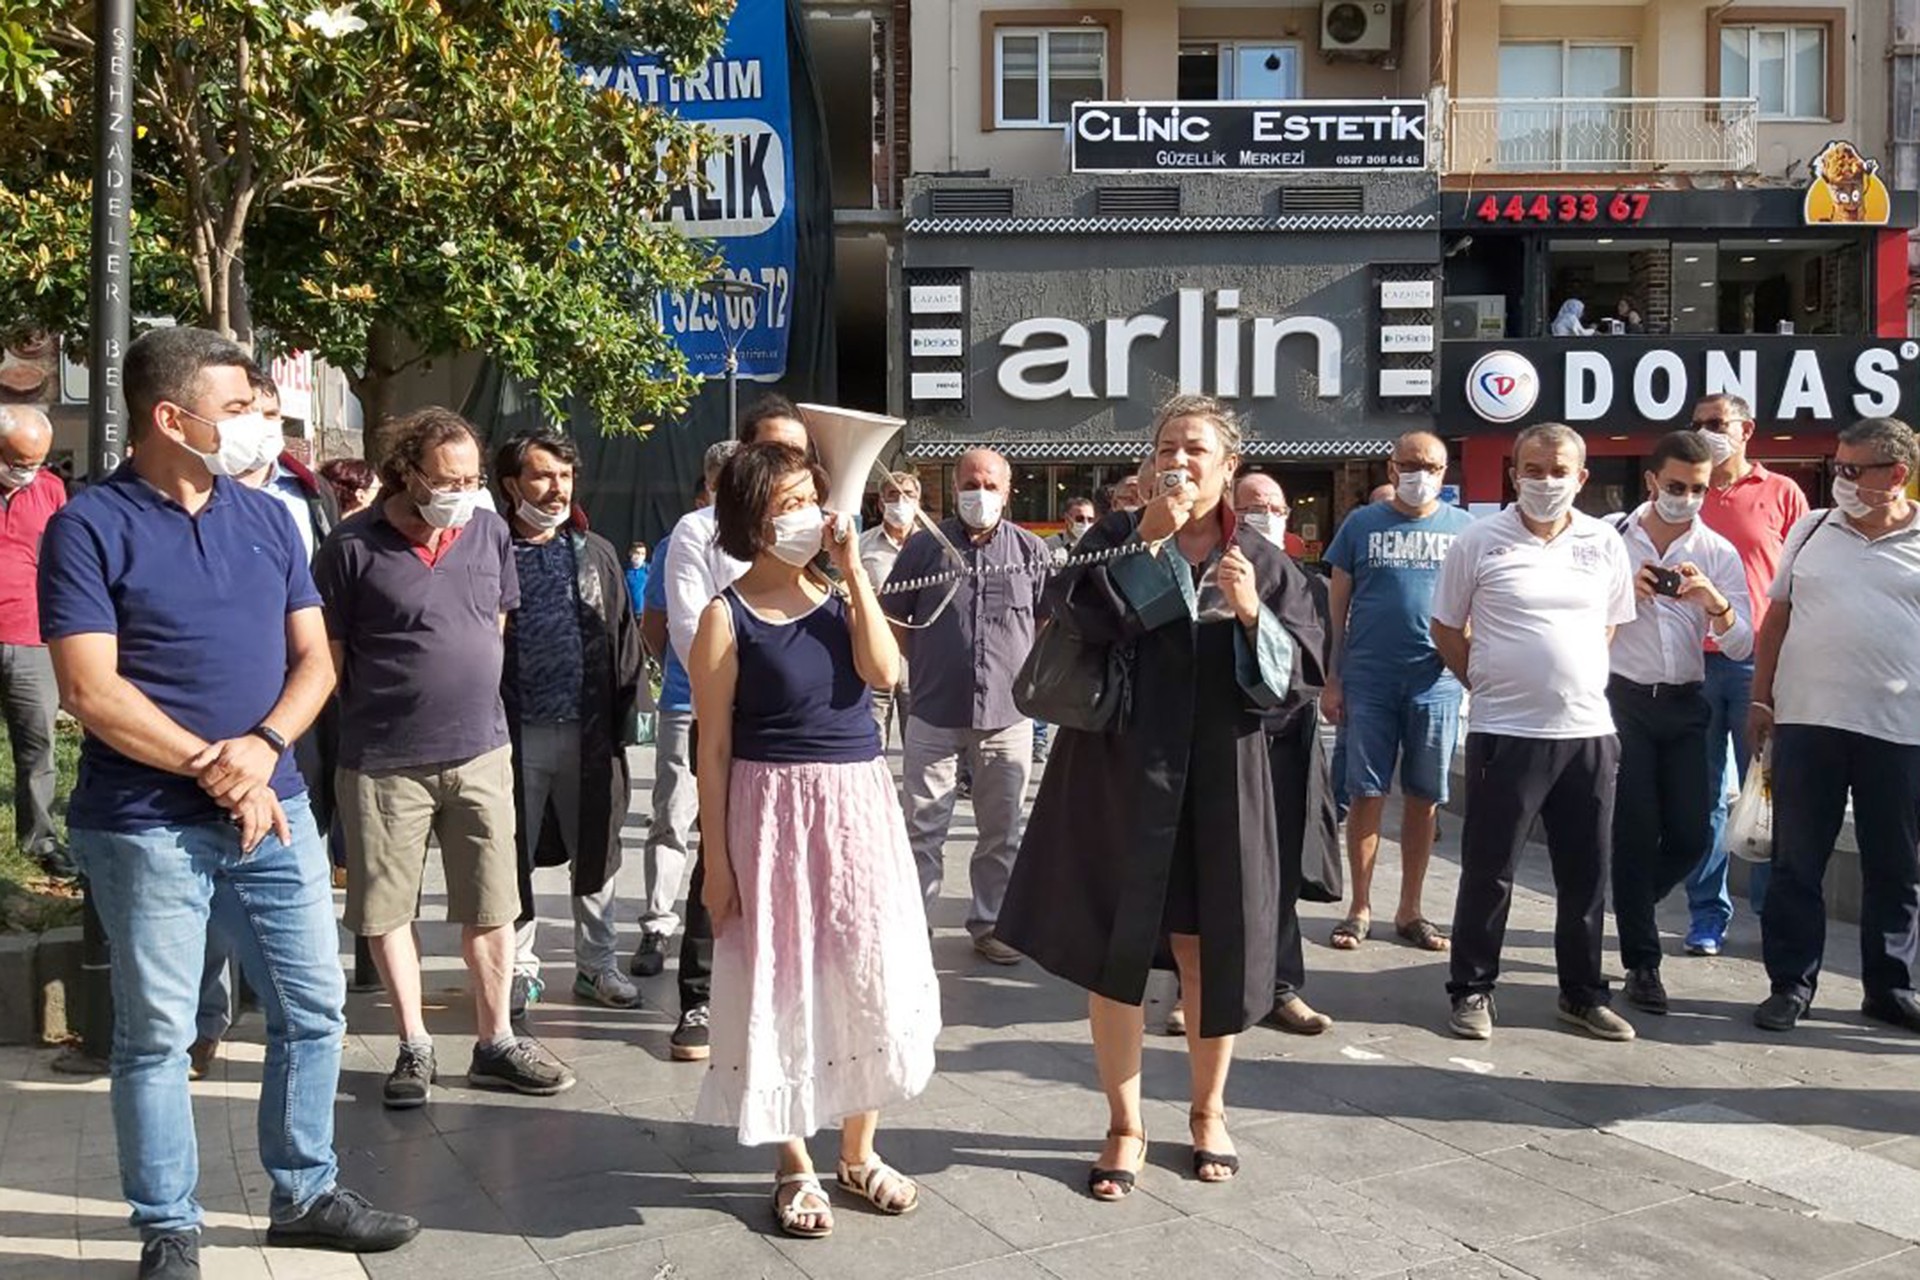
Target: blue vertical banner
[745,206]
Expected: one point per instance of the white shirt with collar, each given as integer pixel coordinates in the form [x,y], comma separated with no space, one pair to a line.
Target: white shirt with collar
[1539,612]
[284,487]
[1663,643]
[1850,659]
[697,570]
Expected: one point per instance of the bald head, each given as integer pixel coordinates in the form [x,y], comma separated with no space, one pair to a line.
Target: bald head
[982,463]
[1258,491]
[25,436]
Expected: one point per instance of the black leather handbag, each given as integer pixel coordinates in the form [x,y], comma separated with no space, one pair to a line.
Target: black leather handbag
[1074,682]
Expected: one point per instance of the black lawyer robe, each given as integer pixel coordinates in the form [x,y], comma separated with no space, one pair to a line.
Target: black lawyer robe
[1088,892]
[609,720]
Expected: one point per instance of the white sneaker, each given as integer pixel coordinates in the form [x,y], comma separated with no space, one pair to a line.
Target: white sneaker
[609,987]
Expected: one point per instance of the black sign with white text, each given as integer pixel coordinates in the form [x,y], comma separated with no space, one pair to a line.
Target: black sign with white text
[1315,135]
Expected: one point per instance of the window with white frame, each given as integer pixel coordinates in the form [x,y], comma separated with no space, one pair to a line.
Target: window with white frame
[1556,110]
[1247,70]
[1784,67]
[1040,72]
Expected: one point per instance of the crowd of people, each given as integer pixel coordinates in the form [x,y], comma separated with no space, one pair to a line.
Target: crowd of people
[278,670]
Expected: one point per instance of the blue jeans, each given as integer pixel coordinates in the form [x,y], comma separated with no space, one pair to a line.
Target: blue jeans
[157,891]
[1728,691]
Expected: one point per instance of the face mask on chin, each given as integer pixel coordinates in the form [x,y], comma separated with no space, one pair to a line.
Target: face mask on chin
[539,517]
[798,535]
[1547,500]
[12,477]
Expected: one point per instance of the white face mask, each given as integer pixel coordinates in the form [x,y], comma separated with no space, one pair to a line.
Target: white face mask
[1678,508]
[1719,444]
[1418,488]
[980,508]
[12,477]
[900,514]
[1077,529]
[1846,496]
[450,510]
[541,518]
[1268,525]
[798,534]
[1548,500]
[243,438]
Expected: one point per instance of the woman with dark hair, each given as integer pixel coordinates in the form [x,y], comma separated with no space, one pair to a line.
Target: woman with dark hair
[825,1005]
[354,483]
[1161,836]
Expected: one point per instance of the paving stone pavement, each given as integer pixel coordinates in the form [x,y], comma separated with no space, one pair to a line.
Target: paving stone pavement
[1384,1148]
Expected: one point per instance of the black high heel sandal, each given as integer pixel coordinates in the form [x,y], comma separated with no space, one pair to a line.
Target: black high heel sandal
[1202,1158]
[1123,1179]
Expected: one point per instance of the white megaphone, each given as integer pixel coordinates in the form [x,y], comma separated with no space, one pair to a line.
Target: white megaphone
[849,443]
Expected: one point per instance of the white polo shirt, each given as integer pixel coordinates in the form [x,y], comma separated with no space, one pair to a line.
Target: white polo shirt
[1663,643]
[1538,614]
[697,570]
[1851,657]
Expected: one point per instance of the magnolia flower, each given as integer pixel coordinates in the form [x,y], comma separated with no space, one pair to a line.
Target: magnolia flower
[47,82]
[449,248]
[338,21]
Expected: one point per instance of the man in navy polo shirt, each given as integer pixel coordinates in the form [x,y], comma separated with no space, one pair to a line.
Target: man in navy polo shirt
[186,637]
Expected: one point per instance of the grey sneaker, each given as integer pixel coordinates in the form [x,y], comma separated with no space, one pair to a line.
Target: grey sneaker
[411,1082]
[608,987]
[995,951]
[526,989]
[175,1256]
[1596,1020]
[522,1066]
[1472,1016]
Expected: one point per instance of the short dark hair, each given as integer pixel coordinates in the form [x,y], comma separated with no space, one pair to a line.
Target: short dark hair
[1678,446]
[261,381]
[745,491]
[766,407]
[348,475]
[1737,403]
[1075,502]
[511,458]
[166,364]
[411,438]
[1893,438]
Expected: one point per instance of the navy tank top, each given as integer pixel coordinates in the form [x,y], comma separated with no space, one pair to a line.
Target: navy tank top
[798,699]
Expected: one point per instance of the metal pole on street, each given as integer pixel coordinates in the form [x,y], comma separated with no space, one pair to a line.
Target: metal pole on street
[111,321]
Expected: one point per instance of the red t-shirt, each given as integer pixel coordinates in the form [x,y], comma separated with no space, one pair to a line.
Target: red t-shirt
[23,519]
[1754,513]
[430,556]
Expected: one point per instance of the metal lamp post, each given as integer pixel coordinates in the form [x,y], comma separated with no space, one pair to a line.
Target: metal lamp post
[730,296]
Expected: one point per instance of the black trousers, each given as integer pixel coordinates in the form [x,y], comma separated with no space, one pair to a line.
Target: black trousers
[696,938]
[1813,770]
[1663,809]
[1566,783]
[1289,756]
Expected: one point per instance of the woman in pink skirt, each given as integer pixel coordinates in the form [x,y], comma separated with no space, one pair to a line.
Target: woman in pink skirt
[825,1004]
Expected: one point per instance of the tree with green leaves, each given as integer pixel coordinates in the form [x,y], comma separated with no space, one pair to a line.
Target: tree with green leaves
[378,182]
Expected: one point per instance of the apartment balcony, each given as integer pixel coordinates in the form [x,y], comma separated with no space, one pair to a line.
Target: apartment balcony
[1601,135]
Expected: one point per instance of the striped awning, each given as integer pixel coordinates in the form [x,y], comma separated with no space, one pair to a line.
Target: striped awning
[1133,450]
[1198,225]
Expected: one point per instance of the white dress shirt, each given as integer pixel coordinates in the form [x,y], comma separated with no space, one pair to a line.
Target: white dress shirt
[1663,643]
[697,570]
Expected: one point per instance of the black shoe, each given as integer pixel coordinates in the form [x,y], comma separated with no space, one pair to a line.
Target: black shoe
[691,1040]
[411,1082]
[1897,1008]
[55,861]
[1779,1012]
[1645,991]
[650,957]
[341,1220]
[171,1257]
[523,1067]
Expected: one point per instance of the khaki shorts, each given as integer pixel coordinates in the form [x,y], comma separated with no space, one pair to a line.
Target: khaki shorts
[386,819]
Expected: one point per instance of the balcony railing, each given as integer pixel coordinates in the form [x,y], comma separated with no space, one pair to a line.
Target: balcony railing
[1601,135]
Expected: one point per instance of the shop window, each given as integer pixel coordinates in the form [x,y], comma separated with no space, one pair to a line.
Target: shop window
[1767,285]
[1785,68]
[1239,70]
[1040,72]
[1556,111]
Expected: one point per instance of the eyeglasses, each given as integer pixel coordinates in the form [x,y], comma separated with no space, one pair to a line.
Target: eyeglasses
[1854,470]
[1431,468]
[464,485]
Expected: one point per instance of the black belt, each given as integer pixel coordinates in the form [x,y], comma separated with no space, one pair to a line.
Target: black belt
[1656,690]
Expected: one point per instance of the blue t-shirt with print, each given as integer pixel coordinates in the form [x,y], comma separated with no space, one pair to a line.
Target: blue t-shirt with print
[676,693]
[1394,561]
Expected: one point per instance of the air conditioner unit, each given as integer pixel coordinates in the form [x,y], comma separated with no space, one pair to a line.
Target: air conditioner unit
[1356,26]
[1474,315]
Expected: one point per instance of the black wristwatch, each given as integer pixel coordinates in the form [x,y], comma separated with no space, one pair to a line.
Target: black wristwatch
[270,736]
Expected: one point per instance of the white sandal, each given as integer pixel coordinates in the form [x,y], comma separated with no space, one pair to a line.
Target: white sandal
[876,1181]
[810,1201]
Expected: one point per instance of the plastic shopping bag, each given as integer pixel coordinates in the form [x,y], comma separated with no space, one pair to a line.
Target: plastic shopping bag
[1750,823]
